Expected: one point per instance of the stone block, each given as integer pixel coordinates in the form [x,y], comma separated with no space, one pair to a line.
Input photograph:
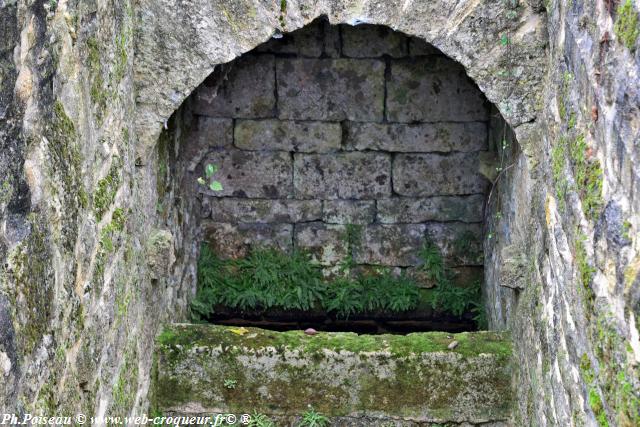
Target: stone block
[422,137]
[330,89]
[391,245]
[431,89]
[209,133]
[372,41]
[326,243]
[342,176]
[287,135]
[235,240]
[252,174]
[349,211]
[421,175]
[437,208]
[460,244]
[461,276]
[308,41]
[160,254]
[247,91]
[264,210]
[418,47]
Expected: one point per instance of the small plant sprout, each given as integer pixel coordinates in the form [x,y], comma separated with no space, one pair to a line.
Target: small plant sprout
[311,418]
[210,170]
[230,384]
[260,420]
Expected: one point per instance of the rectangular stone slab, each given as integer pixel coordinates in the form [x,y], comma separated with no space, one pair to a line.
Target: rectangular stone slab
[413,377]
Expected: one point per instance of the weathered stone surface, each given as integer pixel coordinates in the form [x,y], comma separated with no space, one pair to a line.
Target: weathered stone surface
[460,243]
[307,137]
[372,41]
[325,242]
[160,255]
[247,90]
[437,208]
[432,89]
[423,137]
[308,41]
[349,211]
[393,245]
[264,211]
[460,276]
[252,174]
[418,47]
[342,176]
[330,89]
[235,240]
[436,174]
[412,376]
[209,133]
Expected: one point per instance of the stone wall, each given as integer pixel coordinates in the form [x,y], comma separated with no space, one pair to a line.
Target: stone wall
[343,141]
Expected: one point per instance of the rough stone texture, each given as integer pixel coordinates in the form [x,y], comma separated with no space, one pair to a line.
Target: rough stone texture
[65,318]
[246,91]
[373,42]
[392,245]
[447,208]
[238,170]
[420,175]
[209,133]
[418,47]
[160,256]
[349,211]
[232,240]
[325,242]
[343,176]
[432,89]
[414,377]
[303,137]
[330,89]
[265,211]
[459,242]
[424,137]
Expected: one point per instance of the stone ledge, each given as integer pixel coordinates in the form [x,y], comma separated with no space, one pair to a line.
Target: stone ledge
[414,377]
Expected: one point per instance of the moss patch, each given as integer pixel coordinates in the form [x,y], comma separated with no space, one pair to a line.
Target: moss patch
[626,27]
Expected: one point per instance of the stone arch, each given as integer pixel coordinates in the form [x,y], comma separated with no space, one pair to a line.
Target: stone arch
[500,44]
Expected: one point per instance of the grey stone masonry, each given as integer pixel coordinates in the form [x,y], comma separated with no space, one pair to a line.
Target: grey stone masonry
[421,175]
[248,91]
[330,89]
[342,175]
[373,42]
[239,170]
[310,157]
[438,208]
[422,137]
[286,135]
[432,89]
[265,210]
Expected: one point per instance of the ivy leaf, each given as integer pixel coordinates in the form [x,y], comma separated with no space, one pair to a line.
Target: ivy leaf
[210,170]
[201,181]
[215,186]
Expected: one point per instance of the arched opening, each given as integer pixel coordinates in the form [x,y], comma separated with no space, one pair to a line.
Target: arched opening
[338,177]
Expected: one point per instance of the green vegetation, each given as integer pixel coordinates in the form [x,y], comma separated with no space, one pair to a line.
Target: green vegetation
[312,418]
[585,273]
[260,420]
[588,176]
[558,154]
[230,383]
[626,27]
[268,278]
[208,180]
[106,190]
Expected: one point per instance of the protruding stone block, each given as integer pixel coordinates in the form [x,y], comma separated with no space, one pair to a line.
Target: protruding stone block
[433,89]
[392,245]
[422,137]
[372,41]
[349,211]
[330,89]
[235,240]
[160,254]
[421,175]
[342,176]
[438,208]
[264,211]
[246,92]
[287,135]
[252,174]
[326,243]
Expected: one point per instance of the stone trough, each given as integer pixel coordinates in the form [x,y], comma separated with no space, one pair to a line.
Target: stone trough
[413,379]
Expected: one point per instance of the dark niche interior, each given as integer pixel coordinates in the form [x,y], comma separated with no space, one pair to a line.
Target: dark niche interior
[341,175]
